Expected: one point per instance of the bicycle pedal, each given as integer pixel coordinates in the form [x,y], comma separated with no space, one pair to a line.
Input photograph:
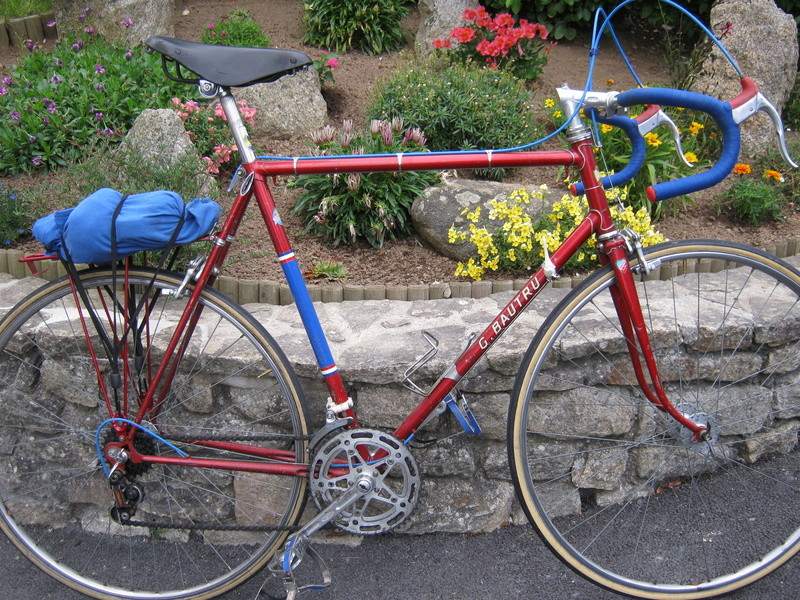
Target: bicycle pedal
[283,566]
[463,413]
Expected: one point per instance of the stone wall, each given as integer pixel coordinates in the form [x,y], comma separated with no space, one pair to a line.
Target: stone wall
[466,482]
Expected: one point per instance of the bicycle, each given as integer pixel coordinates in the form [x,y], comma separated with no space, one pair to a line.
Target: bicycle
[157,424]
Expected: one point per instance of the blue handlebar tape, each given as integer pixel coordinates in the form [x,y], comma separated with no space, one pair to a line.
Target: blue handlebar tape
[638,151]
[721,112]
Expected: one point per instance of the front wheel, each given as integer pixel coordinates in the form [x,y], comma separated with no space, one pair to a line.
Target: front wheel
[617,489]
[195,532]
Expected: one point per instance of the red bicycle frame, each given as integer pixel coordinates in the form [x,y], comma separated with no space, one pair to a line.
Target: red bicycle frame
[597,221]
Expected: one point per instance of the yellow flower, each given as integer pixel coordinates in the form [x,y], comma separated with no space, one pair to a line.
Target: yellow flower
[549,103]
[610,82]
[741,168]
[770,174]
[652,139]
[690,156]
[557,114]
[604,128]
[695,128]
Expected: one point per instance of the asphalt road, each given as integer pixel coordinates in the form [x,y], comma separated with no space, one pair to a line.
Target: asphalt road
[510,563]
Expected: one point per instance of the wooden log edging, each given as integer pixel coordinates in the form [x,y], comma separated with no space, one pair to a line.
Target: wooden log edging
[15,32]
[246,291]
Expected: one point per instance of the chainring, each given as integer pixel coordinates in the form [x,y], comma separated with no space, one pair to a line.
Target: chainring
[342,460]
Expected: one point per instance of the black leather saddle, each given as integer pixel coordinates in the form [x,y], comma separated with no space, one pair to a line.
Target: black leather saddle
[229,66]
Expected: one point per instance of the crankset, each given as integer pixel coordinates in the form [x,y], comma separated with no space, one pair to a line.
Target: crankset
[350,458]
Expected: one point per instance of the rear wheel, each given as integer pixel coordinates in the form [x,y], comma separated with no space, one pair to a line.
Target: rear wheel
[617,489]
[192,532]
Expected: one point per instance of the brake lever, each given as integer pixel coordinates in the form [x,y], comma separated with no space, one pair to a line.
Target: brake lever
[654,117]
[758,102]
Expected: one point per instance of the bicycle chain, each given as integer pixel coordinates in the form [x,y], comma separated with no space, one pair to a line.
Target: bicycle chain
[263,437]
[217,527]
[207,526]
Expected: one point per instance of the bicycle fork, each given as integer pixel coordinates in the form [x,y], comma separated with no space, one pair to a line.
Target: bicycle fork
[627,304]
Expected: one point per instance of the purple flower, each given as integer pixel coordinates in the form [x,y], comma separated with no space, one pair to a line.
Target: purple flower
[8,81]
[77,45]
[89,30]
[51,24]
[36,160]
[59,62]
[81,17]
[98,68]
[3,90]
[127,22]
[52,109]
[32,138]
[108,132]
[98,115]
[15,115]
[56,79]
[129,55]
[31,46]
[45,121]
[99,87]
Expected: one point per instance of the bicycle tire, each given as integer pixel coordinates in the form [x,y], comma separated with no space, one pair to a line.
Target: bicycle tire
[620,493]
[200,532]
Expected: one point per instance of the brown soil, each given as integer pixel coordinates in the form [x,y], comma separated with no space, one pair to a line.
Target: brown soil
[407,261]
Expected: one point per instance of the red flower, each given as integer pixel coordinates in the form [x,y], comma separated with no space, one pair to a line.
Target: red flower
[483,19]
[442,43]
[463,35]
[502,21]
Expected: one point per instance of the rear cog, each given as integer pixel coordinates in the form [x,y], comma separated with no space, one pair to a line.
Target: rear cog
[346,458]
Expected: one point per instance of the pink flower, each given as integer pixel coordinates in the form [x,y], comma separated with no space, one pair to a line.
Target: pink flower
[127,22]
[333,63]
[211,166]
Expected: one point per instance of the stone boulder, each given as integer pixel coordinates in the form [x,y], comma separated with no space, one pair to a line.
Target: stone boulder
[158,136]
[437,19]
[143,18]
[440,207]
[763,40]
[290,107]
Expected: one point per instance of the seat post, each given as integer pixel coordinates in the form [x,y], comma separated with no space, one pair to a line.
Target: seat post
[236,125]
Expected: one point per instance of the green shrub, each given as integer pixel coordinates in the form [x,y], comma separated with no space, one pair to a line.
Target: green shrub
[791,111]
[14,216]
[11,9]
[372,26]
[754,201]
[57,105]
[460,107]
[237,29]
[116,166]
[370,206]
[565,18]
